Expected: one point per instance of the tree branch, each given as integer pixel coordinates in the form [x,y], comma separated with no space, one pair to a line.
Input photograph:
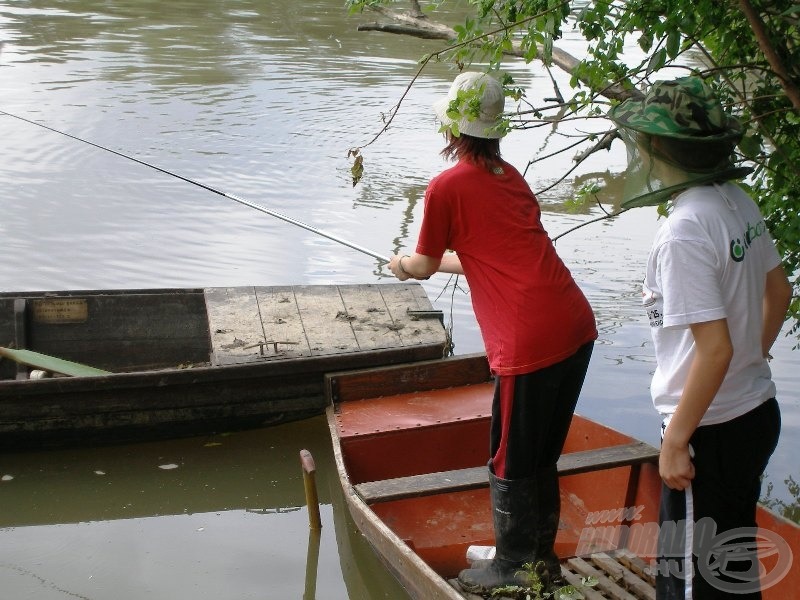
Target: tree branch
[416,24]
[757,25]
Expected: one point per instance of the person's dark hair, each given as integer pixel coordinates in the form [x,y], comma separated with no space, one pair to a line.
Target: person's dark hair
[485,153]
[691,155]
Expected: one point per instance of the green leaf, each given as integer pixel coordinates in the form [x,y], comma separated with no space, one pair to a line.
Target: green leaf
[657,60]
[357,170]
[673,43]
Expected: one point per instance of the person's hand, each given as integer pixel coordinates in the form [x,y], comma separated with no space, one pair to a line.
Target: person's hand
[396,267]
[675,465]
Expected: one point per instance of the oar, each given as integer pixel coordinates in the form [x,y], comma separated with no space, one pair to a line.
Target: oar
[258,207]
[54,364]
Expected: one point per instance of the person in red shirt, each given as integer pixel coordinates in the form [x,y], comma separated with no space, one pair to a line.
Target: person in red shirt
[537,327]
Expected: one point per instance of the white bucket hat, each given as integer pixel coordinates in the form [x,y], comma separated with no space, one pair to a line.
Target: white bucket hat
[483,123]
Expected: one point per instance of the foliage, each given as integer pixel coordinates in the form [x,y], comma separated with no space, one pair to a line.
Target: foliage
[467,105]
[537,590]
[748,49]
[357,170]
[790,509]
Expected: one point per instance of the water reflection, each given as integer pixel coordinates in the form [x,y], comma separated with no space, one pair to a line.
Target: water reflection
[214,517]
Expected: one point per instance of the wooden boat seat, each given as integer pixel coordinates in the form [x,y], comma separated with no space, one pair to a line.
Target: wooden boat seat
[413,486]
[53,364]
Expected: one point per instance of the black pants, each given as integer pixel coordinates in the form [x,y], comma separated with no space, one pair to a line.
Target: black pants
[531,414]
[714,520]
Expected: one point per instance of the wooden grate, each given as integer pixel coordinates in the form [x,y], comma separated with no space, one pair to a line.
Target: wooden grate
[620,575]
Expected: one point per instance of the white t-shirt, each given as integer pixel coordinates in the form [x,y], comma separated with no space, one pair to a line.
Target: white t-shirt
[709,261]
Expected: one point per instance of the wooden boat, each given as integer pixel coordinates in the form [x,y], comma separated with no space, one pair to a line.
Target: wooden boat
[138,364]
[410,444]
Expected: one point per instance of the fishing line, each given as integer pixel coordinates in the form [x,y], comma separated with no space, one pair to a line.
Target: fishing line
[233,197]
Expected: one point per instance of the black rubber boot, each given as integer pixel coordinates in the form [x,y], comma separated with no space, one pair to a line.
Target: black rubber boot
[549,505]
[514,509]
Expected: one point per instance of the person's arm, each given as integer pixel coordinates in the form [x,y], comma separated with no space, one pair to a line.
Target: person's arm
[777,296]
[451,264]
[415,266]
[713,353]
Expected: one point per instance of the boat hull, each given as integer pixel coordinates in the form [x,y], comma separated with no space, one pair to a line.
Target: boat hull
[191,361]
[412,465]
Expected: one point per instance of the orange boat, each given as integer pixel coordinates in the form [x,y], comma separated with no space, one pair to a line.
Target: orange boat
[411,442]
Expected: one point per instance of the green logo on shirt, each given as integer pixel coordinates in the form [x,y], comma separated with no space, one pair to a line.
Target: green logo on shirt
[739,248]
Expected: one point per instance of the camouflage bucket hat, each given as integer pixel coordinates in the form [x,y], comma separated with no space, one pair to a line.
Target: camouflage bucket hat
[685,108]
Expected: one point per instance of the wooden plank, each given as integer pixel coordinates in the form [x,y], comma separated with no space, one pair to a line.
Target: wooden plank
[605,583]
[576,580]
[618,572]
[636,565]
[51,363]
[21,333]
[283,327]
[121,330]
[475,477]
[369,315]
[420,376]
[635,453]
[267,323]
[326,323]
[425,484]
[234,325]
[399,298]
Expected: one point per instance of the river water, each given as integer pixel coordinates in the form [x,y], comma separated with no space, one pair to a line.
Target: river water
[263,101]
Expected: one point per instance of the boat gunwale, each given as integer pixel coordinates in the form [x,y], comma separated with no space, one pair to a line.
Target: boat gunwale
[361,512]
[252,369]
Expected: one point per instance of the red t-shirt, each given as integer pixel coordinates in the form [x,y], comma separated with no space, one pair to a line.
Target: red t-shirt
[530,311]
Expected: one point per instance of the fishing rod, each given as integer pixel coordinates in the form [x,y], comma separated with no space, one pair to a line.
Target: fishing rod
[233,197]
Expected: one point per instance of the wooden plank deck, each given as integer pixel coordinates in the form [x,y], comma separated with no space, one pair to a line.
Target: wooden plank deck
[256,324]
[619,575]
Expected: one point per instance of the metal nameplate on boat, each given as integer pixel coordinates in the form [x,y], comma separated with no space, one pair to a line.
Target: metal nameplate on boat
[60,310]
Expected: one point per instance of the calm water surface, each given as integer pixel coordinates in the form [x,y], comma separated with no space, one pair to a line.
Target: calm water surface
[260,100]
